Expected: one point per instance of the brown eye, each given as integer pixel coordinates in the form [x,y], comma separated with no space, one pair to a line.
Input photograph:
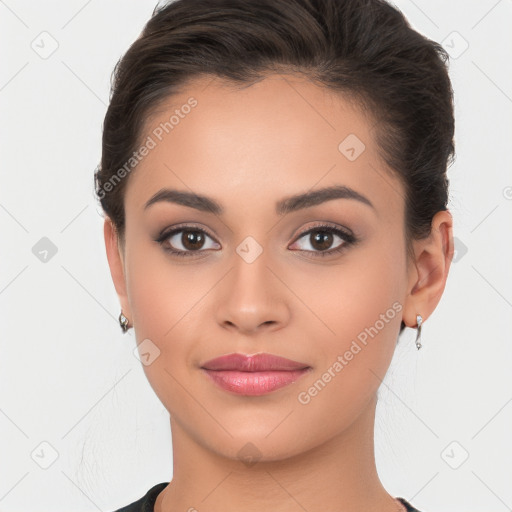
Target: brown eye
[187,241]
[322,238]
[192,240]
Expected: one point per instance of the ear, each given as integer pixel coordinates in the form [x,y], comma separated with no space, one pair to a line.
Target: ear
[116,263]
[428,272]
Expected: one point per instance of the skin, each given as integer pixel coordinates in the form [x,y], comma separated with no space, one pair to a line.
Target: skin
[249,148]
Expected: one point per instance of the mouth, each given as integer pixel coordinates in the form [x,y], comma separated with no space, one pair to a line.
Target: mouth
[253,375]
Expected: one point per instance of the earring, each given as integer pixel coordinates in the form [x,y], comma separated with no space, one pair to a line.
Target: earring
[123,322]
[419,321]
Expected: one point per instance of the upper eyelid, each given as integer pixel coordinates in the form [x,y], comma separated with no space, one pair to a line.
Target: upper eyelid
[185,227]
[327,225]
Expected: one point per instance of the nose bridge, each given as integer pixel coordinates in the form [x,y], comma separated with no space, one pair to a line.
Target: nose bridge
[251,295]
[250,266]
[251,280]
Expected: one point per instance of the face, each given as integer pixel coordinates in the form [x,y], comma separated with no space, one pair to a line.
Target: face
[322,281]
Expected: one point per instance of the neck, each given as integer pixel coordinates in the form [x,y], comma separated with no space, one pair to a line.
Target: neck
[338,475]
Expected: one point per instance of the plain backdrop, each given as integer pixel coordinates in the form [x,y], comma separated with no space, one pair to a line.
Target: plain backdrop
[81,429]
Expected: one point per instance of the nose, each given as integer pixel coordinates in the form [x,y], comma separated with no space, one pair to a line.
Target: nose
[252,298]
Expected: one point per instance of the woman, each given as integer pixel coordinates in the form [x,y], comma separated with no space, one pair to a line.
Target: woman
[274,182]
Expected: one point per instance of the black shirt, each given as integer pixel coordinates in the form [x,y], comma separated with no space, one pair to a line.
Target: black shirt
[147,502]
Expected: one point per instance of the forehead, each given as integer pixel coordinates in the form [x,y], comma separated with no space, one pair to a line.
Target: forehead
[279,136]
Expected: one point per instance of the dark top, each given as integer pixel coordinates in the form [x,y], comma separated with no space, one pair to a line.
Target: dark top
[147,502]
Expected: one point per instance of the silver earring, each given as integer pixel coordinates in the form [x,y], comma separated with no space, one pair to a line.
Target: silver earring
[419,321]
[123,322]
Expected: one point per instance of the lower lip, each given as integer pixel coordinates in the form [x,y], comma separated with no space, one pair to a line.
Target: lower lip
[253,383]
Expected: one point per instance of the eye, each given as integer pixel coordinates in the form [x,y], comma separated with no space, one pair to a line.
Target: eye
[186,240]
[190,240]
[321,237]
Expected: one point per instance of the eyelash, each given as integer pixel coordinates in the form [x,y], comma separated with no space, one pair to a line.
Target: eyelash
[347,237]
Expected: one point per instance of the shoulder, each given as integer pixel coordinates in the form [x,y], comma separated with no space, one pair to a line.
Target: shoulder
[147,502]
[407,505]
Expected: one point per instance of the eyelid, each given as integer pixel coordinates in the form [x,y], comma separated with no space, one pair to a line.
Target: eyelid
[166,233]
[325,224]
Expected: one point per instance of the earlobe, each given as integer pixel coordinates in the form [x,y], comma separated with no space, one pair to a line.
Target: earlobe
[116,264]
[429,272]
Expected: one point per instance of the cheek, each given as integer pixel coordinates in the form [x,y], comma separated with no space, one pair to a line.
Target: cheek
[358,306]
[158,292]
[359,302]
[163,303]
[352,295]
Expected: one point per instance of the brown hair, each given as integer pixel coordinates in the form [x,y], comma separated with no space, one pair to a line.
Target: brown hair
[365,49]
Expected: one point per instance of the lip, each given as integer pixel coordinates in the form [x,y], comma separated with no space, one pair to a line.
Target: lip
[253,363]
[253,375]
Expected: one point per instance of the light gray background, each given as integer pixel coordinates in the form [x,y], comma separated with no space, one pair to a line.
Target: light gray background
[71,386]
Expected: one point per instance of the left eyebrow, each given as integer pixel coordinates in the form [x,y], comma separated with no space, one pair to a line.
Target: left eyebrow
[300,201]
[284,206]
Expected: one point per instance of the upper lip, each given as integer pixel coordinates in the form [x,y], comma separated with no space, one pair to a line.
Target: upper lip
[253,363]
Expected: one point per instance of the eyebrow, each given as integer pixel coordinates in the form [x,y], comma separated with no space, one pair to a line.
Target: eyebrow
[284,206]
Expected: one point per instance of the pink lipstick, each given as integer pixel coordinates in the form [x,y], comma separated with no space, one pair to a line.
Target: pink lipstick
[255,374]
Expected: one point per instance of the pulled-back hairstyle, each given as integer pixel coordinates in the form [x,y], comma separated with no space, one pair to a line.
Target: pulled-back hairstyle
[364,49]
